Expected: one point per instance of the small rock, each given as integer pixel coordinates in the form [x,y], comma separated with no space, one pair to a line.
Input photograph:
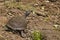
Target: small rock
[35,5]
[40,14]
[46,1]
[28,39]
[10,14]
[43,7]
[57,27]
[2,38]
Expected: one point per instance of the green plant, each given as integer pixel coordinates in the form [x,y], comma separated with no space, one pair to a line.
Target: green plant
[36,35]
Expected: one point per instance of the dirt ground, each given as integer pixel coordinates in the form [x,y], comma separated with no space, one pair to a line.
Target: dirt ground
[45,18]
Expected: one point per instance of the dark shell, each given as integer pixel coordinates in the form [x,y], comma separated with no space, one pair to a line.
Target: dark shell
[17,23]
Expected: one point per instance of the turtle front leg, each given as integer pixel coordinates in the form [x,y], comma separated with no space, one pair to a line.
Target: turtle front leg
[6,28]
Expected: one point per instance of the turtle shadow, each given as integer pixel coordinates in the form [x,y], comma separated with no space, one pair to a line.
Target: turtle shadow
[22,33]
[18,32]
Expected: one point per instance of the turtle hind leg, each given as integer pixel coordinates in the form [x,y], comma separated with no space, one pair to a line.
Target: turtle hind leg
[22,34]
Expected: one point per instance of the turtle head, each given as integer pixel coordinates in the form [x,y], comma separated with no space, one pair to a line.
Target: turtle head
[28,12]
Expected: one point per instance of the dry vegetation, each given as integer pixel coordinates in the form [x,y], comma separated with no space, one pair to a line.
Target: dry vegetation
[44,18]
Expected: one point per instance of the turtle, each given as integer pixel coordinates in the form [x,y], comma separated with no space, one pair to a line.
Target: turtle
[18,23]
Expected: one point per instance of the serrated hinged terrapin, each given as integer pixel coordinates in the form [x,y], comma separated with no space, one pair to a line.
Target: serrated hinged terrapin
[18,22]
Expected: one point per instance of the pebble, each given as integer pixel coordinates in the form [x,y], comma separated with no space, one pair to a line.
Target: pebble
[57,27]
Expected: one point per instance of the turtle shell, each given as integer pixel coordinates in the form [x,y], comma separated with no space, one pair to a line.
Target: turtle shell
[17,23]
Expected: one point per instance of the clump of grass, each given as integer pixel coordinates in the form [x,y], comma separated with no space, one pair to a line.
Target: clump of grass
[36,35]
[19,5]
